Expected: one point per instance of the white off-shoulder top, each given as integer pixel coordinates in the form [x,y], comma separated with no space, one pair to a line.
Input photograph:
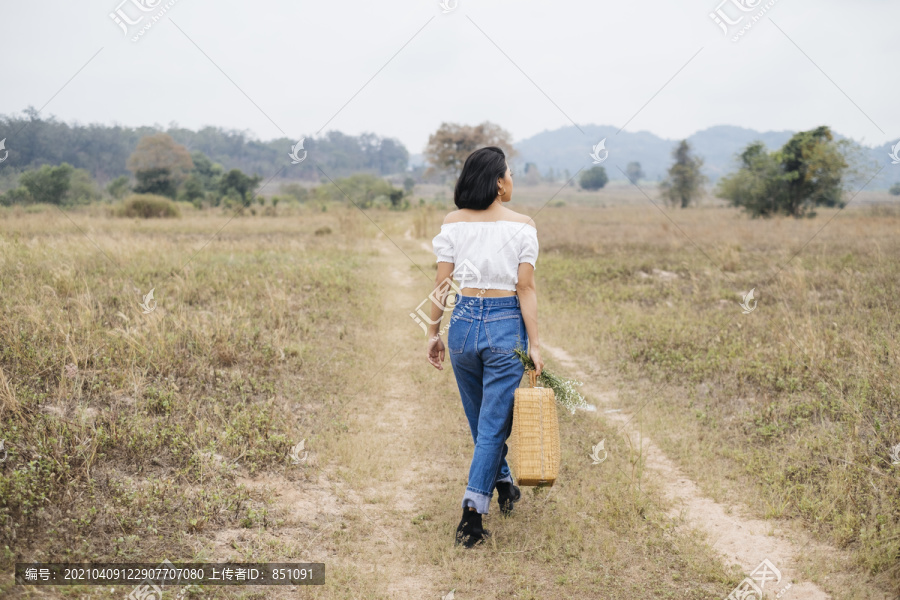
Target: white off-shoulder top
[486,254]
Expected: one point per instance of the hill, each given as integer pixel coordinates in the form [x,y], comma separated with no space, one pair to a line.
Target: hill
[569,148]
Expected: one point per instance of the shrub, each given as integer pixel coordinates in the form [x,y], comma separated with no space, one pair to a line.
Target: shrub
[15,196]
[295,191]
[362,189]
[148,206]
[46,185]
[118,187]
[594,178]
[82,188]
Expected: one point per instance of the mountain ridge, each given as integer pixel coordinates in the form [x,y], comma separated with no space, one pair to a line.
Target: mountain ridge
[568,148]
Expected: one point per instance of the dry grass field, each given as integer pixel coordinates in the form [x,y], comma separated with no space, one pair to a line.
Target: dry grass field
[134,436]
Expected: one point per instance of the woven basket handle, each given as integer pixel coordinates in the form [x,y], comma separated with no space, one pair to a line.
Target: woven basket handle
[532,376]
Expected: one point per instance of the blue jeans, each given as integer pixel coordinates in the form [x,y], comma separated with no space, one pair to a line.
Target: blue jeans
[482,335]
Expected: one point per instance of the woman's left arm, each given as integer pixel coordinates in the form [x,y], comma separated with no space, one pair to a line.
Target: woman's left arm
[442,286]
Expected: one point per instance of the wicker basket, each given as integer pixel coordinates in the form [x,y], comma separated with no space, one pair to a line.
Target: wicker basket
[534,442]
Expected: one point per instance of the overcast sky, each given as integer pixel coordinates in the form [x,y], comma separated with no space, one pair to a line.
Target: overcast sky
[399,68]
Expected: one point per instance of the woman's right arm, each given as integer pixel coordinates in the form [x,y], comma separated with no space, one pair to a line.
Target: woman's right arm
[527,293]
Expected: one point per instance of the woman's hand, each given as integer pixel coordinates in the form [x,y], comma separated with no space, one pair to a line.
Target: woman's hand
[535,355]
[436,352]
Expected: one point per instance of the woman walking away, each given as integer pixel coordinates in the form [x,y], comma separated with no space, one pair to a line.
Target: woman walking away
[491,250]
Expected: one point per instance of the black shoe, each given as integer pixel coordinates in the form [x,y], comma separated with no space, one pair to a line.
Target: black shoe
[470,531]
[507,495]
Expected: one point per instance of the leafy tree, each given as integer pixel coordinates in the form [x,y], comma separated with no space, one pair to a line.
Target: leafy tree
[757,186]
[206,171]
[48,184]
[237,185]
[813,167]
[409,184]
[807,172]
[634,172]
[193,190]
[62,184]
[118,187]
[684,181]
[203,181]
[895,189]
[593,178]
[159,182]
[159,165]
[450,146]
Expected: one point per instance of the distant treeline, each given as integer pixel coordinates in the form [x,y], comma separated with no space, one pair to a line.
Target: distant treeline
[33,141]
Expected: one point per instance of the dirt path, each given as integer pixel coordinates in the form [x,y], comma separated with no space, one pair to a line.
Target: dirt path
[392,434]
[390,424]
[356,510]
[741,539]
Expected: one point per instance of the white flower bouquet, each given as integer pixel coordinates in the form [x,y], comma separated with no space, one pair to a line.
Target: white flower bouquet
[564,389]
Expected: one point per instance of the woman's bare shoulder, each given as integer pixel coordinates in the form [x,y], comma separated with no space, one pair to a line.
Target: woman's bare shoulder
[520,218]
[460,216]
[452,217]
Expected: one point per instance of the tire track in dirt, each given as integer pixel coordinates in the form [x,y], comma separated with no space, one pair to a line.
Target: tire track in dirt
[741,539]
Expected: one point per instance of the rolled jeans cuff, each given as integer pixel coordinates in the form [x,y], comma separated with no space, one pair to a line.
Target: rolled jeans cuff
[480,502]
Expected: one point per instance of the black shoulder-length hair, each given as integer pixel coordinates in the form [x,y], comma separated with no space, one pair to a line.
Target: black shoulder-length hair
[476,187]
